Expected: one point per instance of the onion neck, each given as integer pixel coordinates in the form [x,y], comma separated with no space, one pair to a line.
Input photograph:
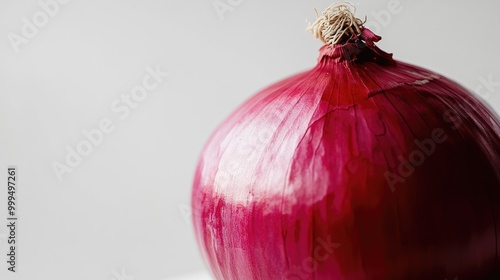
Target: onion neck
[345,37]
[357,48]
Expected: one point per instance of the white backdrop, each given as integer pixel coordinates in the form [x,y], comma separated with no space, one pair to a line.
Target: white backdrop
[147,81]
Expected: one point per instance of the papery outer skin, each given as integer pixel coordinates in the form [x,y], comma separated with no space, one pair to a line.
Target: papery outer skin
[293,185]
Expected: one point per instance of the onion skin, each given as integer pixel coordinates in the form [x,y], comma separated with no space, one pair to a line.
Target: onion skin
[361,168]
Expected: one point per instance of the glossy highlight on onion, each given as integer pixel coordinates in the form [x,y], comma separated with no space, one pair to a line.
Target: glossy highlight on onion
[363,167]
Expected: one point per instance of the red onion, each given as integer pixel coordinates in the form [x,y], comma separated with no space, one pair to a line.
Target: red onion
[361,168]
